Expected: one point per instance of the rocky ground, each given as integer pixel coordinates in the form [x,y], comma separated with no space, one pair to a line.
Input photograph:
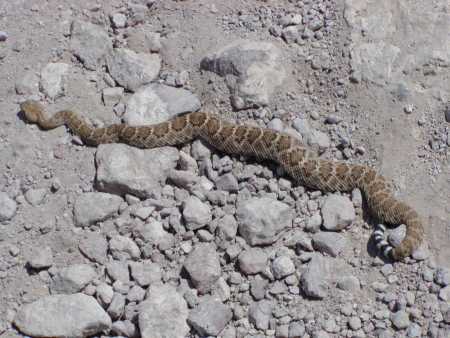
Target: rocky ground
[190,242]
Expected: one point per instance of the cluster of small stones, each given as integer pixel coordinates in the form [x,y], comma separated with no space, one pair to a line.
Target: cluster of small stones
[194,243]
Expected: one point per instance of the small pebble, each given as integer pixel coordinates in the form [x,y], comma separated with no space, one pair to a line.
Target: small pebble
[3,36]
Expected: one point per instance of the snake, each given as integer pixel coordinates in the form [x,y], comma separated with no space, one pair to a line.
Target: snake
[300,163]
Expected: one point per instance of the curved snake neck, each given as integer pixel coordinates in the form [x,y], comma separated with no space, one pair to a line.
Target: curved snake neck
[301,164]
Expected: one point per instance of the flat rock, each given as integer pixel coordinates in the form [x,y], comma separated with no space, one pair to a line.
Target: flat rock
[253,70]
[163,314]
[338,212]
[262,219]
[123,169]
[76,315]
[72,278]
[8,207]
[53,81]
[252,261]
[209,317]
[92,207]
[157,103]
[89,43]
[132,70]
[400,319]
[314,280]
[330,243]
[28,84]
[203,267]
[94,246]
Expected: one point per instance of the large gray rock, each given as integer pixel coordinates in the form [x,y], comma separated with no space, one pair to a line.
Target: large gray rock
[314,280]
[252,69]
[8,207]
[76,315]
[209,317]
[92,207]
[338,212]
[163,314]
[132,70]
[156,103]
[124,169]
[90,43]
[72,278]
[53,79]
[262,219]
[203,267]
[282,266]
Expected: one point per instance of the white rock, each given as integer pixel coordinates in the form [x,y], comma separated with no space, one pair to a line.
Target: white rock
[124,169]
[196,213]
[41,258]
[282,266]
[72,278]
[253,70]
[76,315]
[262,219]
[8,207]
[132,70]
[92,207]
[338,212]
[52,82]
[90,43]
[163,314]
[157,103]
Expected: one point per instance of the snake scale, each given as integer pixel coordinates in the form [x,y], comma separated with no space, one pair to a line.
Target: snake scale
[301,164]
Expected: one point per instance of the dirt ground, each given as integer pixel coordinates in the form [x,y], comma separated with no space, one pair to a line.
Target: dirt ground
[395,121]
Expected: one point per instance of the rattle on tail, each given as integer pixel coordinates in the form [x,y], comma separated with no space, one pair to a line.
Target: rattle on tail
[300,163]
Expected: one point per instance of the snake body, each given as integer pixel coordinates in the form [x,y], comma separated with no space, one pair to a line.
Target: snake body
[300,163]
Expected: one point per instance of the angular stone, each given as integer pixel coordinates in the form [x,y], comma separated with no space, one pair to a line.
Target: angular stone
[338,212]
[262,219]
[8,207]
[157,103]
[145,273]
[72,278]
[260,313]
[123,248]
[163,314]
[132,70]
[252,261]
[314,280]
[282,266]
[209,317]
[76,315]
[196,213]
[90,43]
[203,267]
[253,70]
[400,319]
[330,243]
[41,258]
[92,207]
[53,79]
[94,246]
[124,169]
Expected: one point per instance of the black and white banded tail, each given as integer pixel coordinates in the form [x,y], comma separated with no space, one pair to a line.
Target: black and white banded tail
[379,236]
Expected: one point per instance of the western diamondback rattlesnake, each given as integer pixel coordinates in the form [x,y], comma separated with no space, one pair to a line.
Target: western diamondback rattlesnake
[300,163]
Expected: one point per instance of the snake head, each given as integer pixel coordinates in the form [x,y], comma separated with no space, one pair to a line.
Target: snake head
[32,110]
